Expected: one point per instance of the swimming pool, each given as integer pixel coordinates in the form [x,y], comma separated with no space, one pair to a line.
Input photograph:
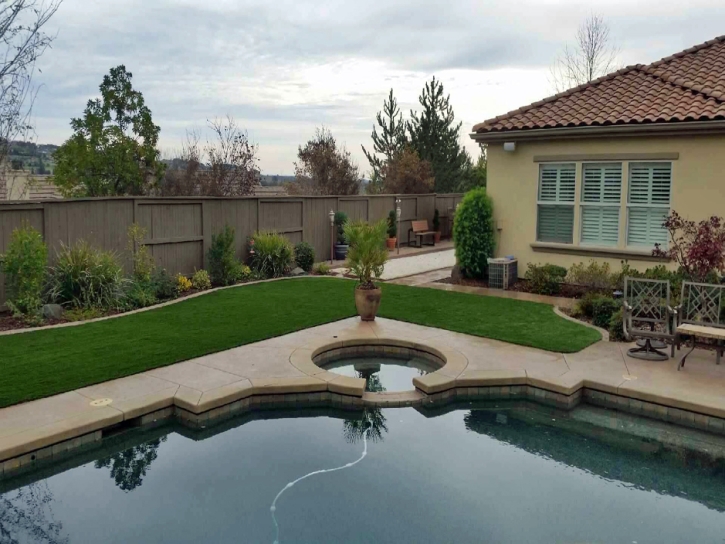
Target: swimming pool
[383,373]
[505,472]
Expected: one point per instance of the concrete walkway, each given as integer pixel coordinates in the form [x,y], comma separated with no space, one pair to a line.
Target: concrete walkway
[279,370]
[413,261]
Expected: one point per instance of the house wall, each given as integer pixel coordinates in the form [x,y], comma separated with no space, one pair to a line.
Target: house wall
[698,191]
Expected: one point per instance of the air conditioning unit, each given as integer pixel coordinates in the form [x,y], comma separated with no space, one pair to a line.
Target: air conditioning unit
[502,272]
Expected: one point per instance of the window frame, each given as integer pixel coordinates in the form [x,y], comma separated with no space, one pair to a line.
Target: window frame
[649,206]
[558,166]
[601,204]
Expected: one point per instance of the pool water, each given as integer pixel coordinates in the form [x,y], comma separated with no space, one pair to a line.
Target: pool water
[509,473]
[382,373]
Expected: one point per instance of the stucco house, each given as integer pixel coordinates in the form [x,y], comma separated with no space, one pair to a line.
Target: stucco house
[592,172]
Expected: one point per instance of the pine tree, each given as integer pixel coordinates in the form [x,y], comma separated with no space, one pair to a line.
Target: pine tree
[434,136]
[391,138]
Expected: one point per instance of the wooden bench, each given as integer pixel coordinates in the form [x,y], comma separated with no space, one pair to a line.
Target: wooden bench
[700,316]
[420,229]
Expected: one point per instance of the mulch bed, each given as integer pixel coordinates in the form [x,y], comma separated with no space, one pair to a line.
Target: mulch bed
[522,286]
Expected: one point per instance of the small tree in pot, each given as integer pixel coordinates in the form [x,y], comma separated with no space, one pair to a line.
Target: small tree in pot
[392,229]
[437,226]
[366,260]
[341,243]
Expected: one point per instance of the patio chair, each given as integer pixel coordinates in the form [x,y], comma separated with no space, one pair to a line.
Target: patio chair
[648,317]
[701,316]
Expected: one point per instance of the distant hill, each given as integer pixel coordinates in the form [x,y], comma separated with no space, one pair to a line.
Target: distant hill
[275,179]
[32,157]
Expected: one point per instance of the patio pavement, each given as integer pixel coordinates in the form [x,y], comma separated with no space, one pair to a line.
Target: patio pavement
[282,366]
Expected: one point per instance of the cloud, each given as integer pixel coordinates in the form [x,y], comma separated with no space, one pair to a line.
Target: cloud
[283,67]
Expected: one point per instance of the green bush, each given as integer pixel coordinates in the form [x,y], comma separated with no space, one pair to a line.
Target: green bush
[224,269]
[322,269]
[341,220]
[368,253]
[392,224]
[25,268]
[542,281]
[84,277]
[603,308]
[200,280]
[473,233]
[305,256]
[139,295]
[616,326]
[273,254]
[556,271]
[659,272]
[143,262]
[585,306]
[594,275]
[164,285]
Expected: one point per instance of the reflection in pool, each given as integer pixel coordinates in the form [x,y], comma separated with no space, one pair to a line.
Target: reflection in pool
[382,373]
[483,473]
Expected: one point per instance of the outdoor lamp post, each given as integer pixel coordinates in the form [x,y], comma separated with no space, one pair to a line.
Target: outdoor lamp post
[398,213]
[331,215]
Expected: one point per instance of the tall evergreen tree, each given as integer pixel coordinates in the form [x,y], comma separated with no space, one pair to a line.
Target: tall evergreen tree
[434,135]
[391,138]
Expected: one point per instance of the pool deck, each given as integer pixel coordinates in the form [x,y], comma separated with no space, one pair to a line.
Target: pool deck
[280,372]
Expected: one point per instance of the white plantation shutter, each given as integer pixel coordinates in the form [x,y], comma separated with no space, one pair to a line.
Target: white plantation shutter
[601,198]
[557,185]
[650,187]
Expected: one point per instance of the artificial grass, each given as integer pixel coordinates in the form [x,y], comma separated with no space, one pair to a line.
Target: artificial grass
[43,363]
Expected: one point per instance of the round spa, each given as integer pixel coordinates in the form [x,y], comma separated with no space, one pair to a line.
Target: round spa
[384,368]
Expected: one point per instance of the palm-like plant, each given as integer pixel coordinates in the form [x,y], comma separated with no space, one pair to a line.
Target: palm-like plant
[367,256]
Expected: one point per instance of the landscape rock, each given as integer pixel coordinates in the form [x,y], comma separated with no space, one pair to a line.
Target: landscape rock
[456,274]
[53,311]
[297,272]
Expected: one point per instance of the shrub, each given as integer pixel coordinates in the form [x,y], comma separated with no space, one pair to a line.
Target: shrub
[585,306]
[594,275]
[340,222]
[305,256]
[698,248]
[603,308]
[84,277]
[322,269]
[183,284]
[273,254]
[436,220]
[143,262]
[473,232]
[139,295]
[616,327]
[556,271]
[542,281]
[659,272]
[200,280]
[25,267]
[224,269]
[163,285]
[368,254]
[392,224]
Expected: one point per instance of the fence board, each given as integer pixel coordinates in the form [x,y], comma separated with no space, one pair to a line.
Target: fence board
[180,229]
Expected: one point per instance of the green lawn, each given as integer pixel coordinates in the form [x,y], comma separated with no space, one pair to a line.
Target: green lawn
[43,363]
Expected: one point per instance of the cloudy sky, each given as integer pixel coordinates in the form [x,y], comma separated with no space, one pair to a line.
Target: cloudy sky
[282,67]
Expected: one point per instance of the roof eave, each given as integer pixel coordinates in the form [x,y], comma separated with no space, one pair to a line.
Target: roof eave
[682,128]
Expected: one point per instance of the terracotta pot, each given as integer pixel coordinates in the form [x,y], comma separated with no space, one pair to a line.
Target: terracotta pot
[437,236]
[367,302]
[391,243]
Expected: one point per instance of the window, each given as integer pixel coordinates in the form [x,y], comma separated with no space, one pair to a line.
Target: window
[555,221]
[648,203]
[601,200]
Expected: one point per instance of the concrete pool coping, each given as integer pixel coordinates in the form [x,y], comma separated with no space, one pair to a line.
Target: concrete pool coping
[280,372]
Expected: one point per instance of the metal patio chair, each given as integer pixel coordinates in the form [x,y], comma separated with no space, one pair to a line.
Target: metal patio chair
[648,317]
[701,315]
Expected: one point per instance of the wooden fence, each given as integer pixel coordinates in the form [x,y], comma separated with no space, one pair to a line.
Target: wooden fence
[179,230]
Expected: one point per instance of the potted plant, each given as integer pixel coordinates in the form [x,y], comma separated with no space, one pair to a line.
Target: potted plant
[392,230]
[341,246]
[436,226]
[366,260]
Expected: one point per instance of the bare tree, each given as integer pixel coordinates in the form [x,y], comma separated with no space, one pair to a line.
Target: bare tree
[232,168]
[22,42]
[593,55]
[233,161]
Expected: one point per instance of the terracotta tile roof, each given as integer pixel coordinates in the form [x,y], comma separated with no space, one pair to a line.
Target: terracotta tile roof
[687,86]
